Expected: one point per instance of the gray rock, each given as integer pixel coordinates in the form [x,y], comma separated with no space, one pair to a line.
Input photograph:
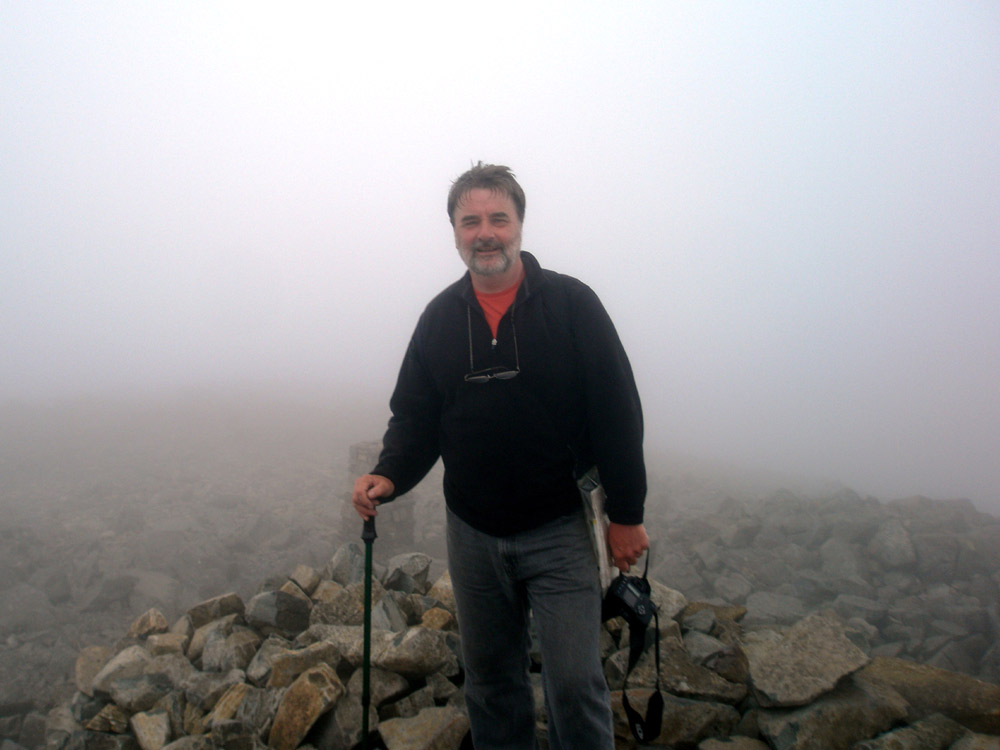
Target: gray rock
[809,661]
[732,587]
[768,608]
[259,669]
[127,663]
[891,546]
[279,613]
[408,573]
[850,713]
[387,615]
[841,560]
[407,706]
[234,651]
[701,646]
[140,693]
[203,689]
[678,675]
[416,653]
[347,565]
[936,732]
[215,608]
[175,667]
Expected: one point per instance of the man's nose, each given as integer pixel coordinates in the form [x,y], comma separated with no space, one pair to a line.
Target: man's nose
[485,231]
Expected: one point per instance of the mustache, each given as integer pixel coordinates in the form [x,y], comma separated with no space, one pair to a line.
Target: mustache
[480,245]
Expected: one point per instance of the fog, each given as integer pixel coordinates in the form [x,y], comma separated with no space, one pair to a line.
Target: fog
[791,211]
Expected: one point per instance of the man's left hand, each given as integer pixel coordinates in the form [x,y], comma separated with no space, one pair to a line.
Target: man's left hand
[627,543]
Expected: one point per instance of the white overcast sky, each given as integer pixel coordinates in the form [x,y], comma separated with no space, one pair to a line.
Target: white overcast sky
[791,209]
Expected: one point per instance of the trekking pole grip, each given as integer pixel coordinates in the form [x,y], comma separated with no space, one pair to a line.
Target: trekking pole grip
[368,532]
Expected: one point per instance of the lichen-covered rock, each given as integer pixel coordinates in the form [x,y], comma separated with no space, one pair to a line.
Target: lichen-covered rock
[311,695]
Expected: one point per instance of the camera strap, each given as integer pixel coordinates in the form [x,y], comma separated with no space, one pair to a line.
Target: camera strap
[648,728]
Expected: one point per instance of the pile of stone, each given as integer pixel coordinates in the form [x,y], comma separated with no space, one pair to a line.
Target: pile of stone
[282,670]
[915,578]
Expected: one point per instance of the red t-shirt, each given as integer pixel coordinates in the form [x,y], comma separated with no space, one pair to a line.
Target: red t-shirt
[495,304]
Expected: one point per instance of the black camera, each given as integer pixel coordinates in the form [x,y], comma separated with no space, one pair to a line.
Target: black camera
[629,596]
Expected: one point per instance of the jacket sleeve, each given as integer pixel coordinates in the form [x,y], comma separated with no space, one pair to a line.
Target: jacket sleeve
[614,413]
[410,446]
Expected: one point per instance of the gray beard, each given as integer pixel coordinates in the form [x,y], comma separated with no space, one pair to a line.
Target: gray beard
[493,267]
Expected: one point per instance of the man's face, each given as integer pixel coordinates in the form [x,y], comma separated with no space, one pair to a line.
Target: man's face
[487,232]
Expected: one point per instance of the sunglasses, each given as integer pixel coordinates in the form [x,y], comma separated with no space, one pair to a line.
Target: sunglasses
[491,373]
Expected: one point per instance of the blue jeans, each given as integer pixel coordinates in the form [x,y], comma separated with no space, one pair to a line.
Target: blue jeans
[550,572]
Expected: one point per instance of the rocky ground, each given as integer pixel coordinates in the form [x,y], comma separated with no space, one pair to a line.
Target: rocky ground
[109,511]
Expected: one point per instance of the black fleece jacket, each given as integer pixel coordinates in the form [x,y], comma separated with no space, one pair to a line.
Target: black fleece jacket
[512,448]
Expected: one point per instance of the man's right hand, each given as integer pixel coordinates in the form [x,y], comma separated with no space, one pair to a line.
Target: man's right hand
[367,491]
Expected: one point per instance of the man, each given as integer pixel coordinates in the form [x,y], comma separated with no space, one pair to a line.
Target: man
[516,377]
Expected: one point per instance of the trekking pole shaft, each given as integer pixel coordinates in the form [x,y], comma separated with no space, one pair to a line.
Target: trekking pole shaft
[368,536]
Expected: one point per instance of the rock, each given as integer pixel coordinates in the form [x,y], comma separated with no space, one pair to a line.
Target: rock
[685,722]
[152,730]
[768,608]
[112,718]
[234,651]
[386,615]
[732,587]
[167,643]
[732,743]
[288,664]
[199,639]
[927,690]
[148,623]
[415,653]
[140,693]
[850,713]
[127,663]
[437,618]
[443,592]
[810,660]
[407,706]
[88,664]
[977,742]
[678,675]
[432,729]
[311,695]
[114,593]
[228,704]
[347,565]
[306,578]
[203,689]
[278,612]
[408,573]
[936,732]
[891,545]
[215,608]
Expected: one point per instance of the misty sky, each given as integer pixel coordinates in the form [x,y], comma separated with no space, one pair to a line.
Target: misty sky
[791,209]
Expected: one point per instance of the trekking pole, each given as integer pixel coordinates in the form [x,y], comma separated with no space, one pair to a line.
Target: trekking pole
[368,536]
